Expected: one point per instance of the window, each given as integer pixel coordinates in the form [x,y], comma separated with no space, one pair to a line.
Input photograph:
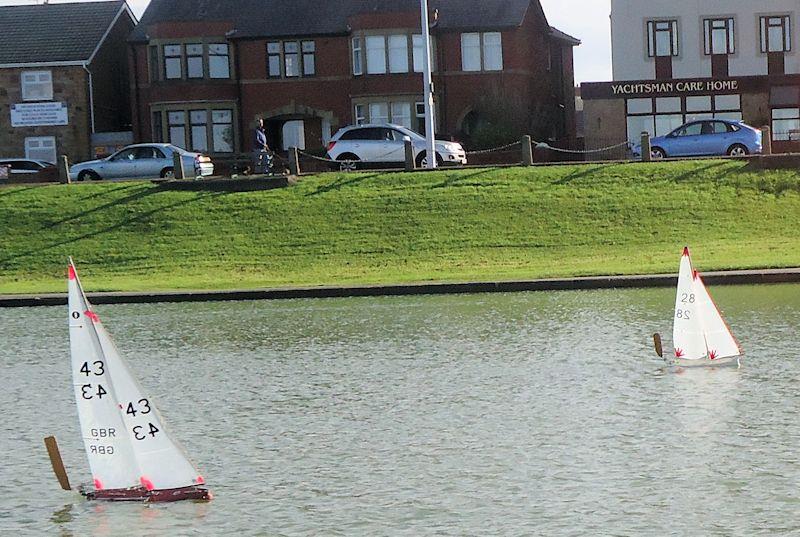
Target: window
[662,38]
[37,85]
[482,51]
[398,53]
[158,133]
[719,36]
[173,62]
[291,59]
[199,136]
[309,62]
[274,60]
[219,65]
[222,130]
[294,134]
[776,34]
[401,114]
[360,114]
[177,128]
[358,65]
[379,112]
[376,54]
[470,52]
[492,51]
[418,48]
[785,124]
[153,60]
[194,61]
[41,148]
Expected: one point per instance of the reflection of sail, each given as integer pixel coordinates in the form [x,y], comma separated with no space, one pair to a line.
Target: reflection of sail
[702,407]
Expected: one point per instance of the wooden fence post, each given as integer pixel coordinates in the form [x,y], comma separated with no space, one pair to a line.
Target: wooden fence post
[177,166]
[646,155]
[294,161]
[409,148]
[766,140]
[63,170]
[527,151]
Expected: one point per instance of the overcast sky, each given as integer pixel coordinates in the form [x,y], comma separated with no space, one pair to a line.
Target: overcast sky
[585,19]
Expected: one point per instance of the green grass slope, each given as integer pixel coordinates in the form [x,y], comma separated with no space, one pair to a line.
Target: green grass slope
[453,225]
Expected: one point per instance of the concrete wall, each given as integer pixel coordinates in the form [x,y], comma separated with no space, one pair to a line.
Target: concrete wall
[70,85]
[629,36]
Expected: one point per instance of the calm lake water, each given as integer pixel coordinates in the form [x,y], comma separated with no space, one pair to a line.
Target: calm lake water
[509,414]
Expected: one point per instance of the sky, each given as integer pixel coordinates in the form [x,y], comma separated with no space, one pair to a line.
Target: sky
[585,19]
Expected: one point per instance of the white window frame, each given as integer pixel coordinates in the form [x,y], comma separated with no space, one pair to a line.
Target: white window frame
[379,64]
[485,49]
[397,44]
[43,78]
[38,156]
[358,56]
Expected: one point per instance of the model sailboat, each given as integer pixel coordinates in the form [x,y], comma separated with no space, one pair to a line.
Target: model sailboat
[131,455]
[699,334]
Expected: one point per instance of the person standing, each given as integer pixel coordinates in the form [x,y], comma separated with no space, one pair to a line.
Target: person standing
[260,148]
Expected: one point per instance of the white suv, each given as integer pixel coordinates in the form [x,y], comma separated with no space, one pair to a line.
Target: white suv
[376,144]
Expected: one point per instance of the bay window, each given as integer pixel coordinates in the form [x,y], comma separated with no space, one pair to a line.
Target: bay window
[395,53]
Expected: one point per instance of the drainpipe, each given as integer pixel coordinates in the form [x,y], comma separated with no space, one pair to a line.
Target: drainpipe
[91,96]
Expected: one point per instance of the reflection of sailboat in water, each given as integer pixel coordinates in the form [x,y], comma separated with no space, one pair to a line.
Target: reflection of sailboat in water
[700,335]
[131,455]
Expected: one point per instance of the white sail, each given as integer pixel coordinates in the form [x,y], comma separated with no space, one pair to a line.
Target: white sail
[162,461]
[699,331]
[149,451]
[719,339]
[688,334]
[108,449]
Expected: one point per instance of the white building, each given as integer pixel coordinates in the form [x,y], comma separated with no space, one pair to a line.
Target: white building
[679,60]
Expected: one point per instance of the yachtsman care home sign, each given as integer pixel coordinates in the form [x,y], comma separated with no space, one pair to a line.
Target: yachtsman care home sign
[39,114]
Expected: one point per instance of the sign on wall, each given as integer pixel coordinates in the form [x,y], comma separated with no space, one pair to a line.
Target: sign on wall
[39,114]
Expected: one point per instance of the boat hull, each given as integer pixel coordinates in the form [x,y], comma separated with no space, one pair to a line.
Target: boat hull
[730,361]
[140,494]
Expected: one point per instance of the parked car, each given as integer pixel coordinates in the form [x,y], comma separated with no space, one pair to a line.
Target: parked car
[706,137]
[142,161]
[30,169]
[381,144]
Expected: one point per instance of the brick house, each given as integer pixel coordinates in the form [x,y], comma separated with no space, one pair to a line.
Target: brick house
[63,77]
[204,71]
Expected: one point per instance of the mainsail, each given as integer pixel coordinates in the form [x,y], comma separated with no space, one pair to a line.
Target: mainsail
[124,434]
[699,331]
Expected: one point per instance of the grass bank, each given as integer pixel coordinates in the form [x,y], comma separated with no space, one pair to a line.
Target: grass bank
[473,224]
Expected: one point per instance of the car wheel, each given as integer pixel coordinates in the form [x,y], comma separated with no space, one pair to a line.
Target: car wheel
[738,150]
[657,153]
[167,173]
[348,162]
[88,174]
[422,159]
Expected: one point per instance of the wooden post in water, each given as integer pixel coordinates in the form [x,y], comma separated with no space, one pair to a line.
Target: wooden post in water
[409,149]
[527,151]
[177,165]
[63,170]
[646,155]
[58,464]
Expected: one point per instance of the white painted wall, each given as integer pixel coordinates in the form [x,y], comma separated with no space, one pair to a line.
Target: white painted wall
[629,36]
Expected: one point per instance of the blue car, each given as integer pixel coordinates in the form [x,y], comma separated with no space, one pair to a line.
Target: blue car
[704,138]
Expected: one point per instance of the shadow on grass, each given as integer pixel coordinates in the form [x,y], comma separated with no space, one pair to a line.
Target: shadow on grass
[458,180]
[341,183]
[119,201]
[137,219]
[584,172]
[10,190]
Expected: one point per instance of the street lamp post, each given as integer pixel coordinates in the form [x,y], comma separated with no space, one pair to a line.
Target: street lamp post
[427,78]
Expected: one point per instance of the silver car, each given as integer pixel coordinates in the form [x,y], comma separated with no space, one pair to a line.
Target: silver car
[139,161]
[385,144]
